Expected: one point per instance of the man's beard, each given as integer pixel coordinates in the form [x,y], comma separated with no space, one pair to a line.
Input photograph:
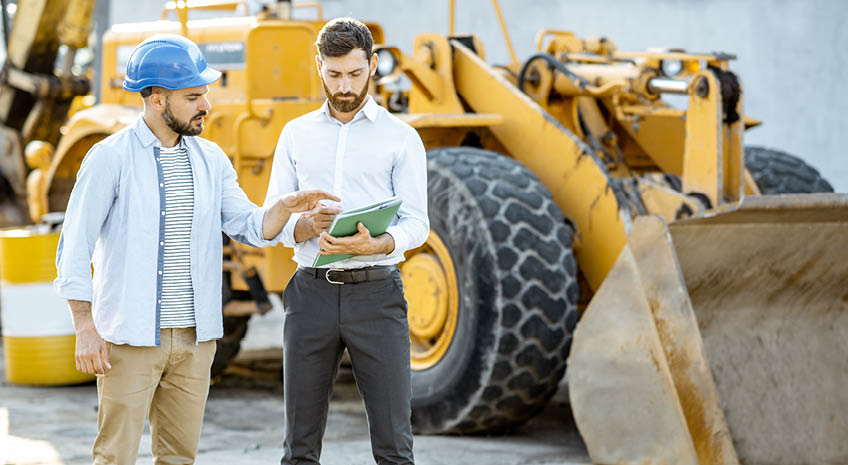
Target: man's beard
[347,106]
[181,128]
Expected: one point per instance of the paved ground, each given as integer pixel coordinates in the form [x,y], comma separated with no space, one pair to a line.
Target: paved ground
[243,424]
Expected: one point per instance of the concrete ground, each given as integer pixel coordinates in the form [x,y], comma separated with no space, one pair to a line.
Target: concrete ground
[244,422]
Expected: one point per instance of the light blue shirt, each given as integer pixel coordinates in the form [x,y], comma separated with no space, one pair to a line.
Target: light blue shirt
[115,221]
[371,158]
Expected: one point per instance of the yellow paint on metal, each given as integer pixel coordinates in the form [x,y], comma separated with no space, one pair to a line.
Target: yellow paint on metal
[280,61]
[540,85]
[81,102]
[436,120]
[702,159]
[76,24]
[319,11]
[579,184]
[751,122]
[452,28]
[639,339]
[38,155]
[42,361]
[619,383]
[751,187]
[660,132]
[27,257]
[431,68]
[662,200]
[557,34]
[734,157]
[428,289]
[432,296]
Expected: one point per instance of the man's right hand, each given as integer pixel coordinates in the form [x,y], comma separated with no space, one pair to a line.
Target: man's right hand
[92,353]
[322,217]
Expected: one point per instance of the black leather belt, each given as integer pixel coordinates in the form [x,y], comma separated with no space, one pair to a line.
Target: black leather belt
[341,276]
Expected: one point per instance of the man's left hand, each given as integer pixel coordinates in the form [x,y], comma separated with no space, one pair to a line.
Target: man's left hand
[360,243]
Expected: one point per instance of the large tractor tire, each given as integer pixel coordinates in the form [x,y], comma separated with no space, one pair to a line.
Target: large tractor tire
[498,277]
[777,172]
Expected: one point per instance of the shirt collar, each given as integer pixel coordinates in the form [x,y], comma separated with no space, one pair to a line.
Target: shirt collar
[146,136]
[370,110]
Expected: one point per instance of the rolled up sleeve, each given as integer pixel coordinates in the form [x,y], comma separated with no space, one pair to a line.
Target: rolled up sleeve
[409,179]
[241,219]
[91,199]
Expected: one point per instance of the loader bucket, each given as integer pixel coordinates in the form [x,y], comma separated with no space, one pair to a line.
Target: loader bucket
[720,335]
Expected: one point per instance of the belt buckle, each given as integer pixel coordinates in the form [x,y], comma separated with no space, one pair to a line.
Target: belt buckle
[327,276]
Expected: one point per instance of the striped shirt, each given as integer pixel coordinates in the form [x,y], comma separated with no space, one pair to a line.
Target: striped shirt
[177,310]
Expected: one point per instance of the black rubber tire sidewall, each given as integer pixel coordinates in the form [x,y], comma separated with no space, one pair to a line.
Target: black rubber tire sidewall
[777,172]
[496,374]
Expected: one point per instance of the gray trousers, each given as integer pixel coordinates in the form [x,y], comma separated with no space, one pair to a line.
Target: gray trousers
[369,319]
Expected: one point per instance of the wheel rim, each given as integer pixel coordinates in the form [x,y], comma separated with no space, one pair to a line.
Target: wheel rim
[431,291]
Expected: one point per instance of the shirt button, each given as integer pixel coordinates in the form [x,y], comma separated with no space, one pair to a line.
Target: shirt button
[159,301]
[160,271]
[163,212]
[161,243]
[161,184]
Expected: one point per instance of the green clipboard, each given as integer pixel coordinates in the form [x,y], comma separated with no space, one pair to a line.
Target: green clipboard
[376,217]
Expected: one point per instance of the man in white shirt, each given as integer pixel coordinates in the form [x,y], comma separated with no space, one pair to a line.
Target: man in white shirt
[357,150]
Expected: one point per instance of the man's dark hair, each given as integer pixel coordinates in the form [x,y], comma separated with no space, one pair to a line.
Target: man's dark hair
[148,91]
[341,35]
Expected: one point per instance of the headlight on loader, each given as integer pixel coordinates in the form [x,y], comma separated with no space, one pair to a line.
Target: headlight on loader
[386,62]
[671,68]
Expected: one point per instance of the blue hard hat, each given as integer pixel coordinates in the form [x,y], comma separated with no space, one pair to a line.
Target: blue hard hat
[170,61]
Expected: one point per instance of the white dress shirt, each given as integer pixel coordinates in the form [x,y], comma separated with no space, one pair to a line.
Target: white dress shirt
[371,158]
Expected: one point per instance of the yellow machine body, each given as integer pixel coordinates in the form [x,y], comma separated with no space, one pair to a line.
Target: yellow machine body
[709,312]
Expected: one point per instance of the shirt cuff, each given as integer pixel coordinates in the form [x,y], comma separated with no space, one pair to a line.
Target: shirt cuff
[401,241]
[73,289]
[287,234]
[259,218]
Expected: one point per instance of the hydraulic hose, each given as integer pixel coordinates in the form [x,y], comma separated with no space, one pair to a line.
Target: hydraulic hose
[554,64]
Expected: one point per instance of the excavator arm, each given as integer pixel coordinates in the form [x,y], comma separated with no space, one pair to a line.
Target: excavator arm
[37,86]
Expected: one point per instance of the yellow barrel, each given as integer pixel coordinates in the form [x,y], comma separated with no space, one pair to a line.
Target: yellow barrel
[38,334]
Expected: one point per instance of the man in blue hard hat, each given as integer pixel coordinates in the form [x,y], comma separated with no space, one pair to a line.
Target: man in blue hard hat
[147,211]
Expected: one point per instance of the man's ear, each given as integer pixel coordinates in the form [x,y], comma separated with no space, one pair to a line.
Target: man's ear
[318,63]
[373,64]
[157,99]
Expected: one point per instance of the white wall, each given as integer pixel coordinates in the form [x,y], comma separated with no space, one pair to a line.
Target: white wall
[791,53]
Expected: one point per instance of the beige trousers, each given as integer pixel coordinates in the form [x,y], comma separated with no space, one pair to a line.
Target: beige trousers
[169,383]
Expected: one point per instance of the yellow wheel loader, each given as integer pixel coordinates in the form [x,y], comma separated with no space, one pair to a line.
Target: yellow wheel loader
[579,221]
